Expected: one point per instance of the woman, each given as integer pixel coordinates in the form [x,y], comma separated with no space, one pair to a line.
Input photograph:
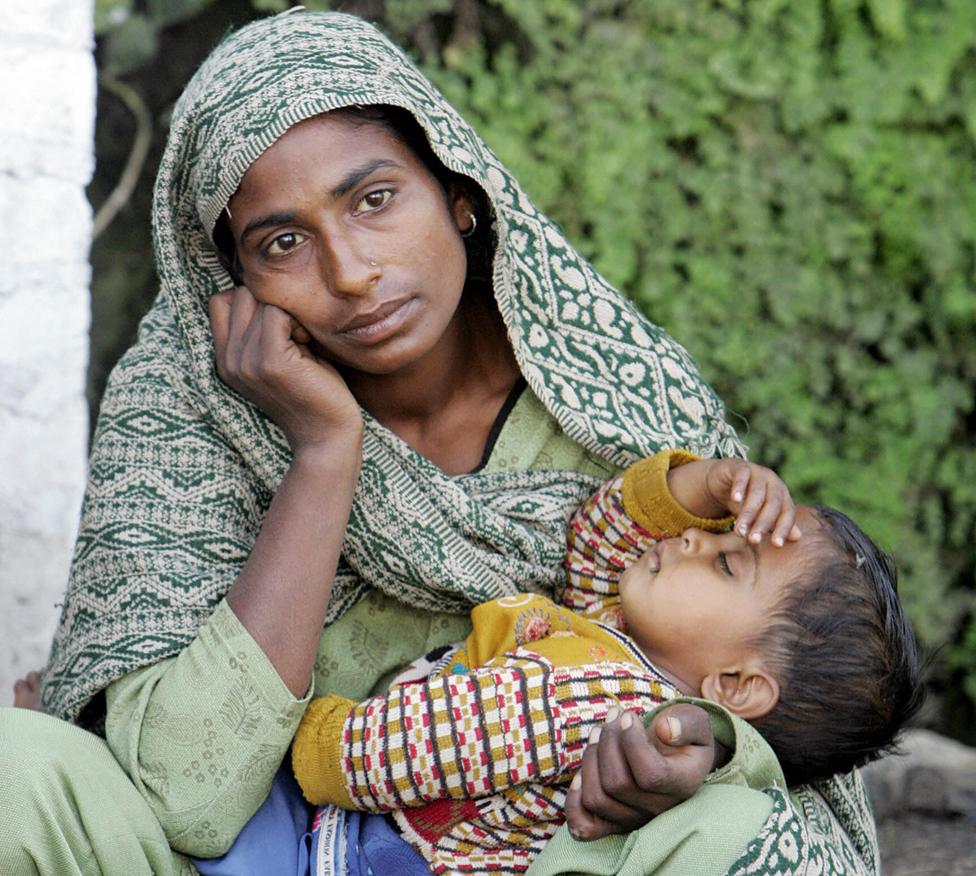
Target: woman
[417,378]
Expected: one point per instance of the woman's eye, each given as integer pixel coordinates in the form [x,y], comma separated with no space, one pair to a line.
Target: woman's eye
[373,201]
[723,564]
[284,243]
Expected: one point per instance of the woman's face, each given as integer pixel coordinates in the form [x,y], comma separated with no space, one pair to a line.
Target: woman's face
[342,226]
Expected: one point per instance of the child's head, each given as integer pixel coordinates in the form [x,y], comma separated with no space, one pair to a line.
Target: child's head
[808,641]
[843,649]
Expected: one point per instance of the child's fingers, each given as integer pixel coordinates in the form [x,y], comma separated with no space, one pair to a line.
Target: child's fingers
[754,500]
[775,517]
[785,526]
[740,484]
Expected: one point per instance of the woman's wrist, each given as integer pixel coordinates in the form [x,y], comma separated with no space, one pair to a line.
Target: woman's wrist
[342,445]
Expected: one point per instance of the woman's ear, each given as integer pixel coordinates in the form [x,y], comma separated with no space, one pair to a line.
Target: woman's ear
[750,693]
[462,207]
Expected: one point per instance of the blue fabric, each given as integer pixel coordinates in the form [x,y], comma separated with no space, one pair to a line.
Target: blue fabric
[374,848]
[275,840]
[361,844]
[280,840]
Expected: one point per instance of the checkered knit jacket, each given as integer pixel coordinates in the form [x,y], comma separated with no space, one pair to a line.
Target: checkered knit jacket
[474,759]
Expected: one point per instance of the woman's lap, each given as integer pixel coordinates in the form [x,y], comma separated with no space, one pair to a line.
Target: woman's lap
[69,808]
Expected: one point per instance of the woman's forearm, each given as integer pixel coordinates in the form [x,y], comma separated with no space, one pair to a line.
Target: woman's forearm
[282,593]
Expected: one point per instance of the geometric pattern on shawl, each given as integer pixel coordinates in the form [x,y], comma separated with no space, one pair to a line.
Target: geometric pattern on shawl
[183,468]
[823,829]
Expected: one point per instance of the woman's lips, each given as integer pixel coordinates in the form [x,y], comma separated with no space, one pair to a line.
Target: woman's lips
[380,322]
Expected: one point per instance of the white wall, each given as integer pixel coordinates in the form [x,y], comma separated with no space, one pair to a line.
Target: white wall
[47,114]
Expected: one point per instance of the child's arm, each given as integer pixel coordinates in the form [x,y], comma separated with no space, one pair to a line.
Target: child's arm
[625,517]
[459,736]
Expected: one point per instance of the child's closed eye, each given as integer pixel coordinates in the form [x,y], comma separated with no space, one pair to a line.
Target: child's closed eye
[723,564]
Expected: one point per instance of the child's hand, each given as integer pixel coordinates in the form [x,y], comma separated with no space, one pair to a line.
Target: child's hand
[756,495]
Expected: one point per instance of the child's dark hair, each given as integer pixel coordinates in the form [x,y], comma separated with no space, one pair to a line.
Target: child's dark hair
[479,245]
[845,657]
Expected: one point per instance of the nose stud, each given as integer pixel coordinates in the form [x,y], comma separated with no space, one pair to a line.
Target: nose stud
[373,263]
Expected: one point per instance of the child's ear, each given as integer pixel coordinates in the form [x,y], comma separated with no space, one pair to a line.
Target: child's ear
[750,693]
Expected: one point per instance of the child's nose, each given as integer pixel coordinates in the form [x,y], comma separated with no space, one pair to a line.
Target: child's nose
[691,540]
[697,540]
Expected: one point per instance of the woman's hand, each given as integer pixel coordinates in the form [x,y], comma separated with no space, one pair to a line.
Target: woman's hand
[756,495]
[264,354]
[630,774]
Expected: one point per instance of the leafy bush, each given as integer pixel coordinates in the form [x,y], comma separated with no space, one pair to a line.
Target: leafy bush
[787,187]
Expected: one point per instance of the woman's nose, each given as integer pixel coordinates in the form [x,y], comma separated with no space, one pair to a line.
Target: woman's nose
[346,269]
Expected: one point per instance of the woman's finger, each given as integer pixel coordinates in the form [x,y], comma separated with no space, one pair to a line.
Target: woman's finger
[685,725]
[245,326]
[219,308]
[644,763]
[603,773]
[584,825]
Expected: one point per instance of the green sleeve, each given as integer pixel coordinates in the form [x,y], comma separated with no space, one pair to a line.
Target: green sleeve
[202,734]
[742,821]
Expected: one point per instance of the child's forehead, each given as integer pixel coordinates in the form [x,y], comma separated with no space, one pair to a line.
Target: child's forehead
[785,565]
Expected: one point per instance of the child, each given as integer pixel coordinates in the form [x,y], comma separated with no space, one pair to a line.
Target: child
[804,638]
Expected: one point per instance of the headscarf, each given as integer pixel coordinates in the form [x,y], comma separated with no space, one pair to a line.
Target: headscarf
[183,468]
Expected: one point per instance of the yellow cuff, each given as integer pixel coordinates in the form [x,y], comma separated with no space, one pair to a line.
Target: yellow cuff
[649,503]
[316,754]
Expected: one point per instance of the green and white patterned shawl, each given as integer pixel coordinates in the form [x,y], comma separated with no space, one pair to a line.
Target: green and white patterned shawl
[183,468]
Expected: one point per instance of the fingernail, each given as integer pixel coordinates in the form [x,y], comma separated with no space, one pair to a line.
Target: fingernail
[612,714]
[575,784]
[595,736]
[742,530]
[674,725]
[756,537]
[778,541]
[737,497]
[626,721]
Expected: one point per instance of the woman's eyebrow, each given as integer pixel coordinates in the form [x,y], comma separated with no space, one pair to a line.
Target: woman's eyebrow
[267,222]
[357,175]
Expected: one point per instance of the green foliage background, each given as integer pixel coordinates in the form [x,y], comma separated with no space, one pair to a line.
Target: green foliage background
[788,186]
